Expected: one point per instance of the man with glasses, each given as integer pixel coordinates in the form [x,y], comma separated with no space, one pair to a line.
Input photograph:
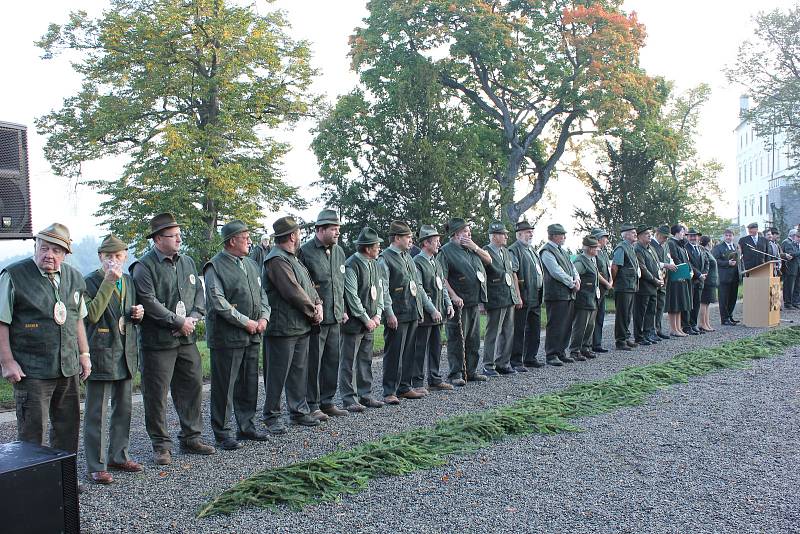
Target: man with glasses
[168,287]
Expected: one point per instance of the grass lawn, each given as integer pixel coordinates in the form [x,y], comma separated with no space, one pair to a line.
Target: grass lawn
[7,391]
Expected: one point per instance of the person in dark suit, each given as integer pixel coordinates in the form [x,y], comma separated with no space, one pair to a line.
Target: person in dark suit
[791,269]
[726,255]
[699,265]
[752,247]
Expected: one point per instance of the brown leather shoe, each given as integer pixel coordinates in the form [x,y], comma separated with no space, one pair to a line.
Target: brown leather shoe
[101,477]
[411,394]
[319,416]
[422,390]
[369,402]
[162,457]
[391,399]
[129,466]
[197,446]
[355,408]
[333,411]
[442,386]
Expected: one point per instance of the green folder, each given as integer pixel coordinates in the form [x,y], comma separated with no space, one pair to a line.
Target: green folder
[684,272]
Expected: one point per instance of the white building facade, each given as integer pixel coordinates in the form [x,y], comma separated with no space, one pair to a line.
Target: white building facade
[766,193]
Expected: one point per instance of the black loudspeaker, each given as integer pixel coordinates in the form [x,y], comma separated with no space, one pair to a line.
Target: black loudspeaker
[15,190]
[38,489]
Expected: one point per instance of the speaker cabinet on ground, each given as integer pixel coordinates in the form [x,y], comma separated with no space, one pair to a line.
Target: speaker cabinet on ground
[38,489]
[15,191]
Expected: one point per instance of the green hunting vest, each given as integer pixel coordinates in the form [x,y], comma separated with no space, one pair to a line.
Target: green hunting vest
[648,263]
[554,289]
[326,268]
[242,289]
[500,294]
[603,269]
[528,275]
[432,277]
[586,297]
[402,274]
[172,282]
[627,279]
[114,356]
[43,348]
[286,320]
[366,277]
[462,267]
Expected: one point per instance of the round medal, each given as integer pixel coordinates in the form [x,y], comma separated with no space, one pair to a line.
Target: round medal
[259,281]
[373,292]
[121,325]
[191,279]
[341,268]
[76,297]
[180,309]
[481,276]
[60,313]
[413,288]
[438,282]
[509,280]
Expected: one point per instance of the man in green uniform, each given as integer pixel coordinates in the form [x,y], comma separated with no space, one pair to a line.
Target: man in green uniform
[586,300]
[604,276]
[650,281]
[528,318]
[238,313]
[503,296]
[168,287]
[324,259]
[428,342]
[626,272]
[296,307]
[403,306]
[112,314]
[363,297]
[43,346]
[465,277]
[561,283]
[659,246]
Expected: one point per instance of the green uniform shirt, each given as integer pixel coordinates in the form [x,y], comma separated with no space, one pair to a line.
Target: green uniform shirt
[528,267]
[589,292]
[628,269]
[431,276]
[326,267]
[360,277]
[500,278]
[465,273]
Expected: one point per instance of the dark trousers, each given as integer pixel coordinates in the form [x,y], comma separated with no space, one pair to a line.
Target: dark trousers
[53,400]
[796,294]
[398,357]
[101,447]
[463,341]
[622,320]
[180,371]
[323,366]
[527,335]
[727,299]
[644,316]
[427,348]
[582,330]
[234,388]
[559,327]
[355,371]
[661,305]
[499,338]
[286,367]
[697,291]
[599,321]
[789,281]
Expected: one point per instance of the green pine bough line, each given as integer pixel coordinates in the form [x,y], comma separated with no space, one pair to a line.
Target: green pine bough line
[348,471]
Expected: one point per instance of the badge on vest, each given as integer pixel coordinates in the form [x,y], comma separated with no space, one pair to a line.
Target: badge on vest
[180,309]
[60,313]
[373,292]
[191,279]
[438,283]
[121,325]
[509,280]
[259,281]
[412,286]
[76,297]
[481,276]
[341,268]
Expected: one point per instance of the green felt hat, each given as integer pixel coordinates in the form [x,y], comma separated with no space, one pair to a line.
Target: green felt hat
[111,243]
[368,236]
[232,228]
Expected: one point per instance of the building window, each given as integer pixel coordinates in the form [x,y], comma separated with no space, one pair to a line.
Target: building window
[760,205]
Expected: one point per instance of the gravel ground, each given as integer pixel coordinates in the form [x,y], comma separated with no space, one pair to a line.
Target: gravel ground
[714,455]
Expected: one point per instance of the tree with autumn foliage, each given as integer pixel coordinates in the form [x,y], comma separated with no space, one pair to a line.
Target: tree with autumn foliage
[186,90]
[538,72]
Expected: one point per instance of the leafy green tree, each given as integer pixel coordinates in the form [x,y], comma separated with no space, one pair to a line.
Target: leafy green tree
[537,72]
[768,68]
[186,90]
[396,148]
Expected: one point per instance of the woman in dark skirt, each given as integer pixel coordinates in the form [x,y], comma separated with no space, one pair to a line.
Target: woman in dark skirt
[679,297]
[709,294]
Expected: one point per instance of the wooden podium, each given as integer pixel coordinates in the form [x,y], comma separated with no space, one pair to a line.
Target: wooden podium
[762,297]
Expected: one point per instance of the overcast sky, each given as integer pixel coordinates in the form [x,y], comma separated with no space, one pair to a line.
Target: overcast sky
[687,42]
